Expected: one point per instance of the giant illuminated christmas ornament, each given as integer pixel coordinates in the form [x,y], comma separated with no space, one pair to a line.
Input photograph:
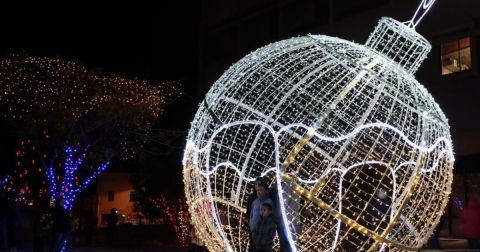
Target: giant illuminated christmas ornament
[358,151]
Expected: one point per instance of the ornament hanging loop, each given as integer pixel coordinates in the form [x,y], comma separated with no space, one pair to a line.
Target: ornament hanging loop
[421,11]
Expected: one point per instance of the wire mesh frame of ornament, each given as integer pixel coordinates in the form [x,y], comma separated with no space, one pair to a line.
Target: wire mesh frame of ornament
[358,150]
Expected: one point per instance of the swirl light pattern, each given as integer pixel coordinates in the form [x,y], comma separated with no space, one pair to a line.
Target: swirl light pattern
[358,150]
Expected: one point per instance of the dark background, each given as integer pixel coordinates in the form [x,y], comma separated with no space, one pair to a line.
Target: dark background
[153,41]
[195,42]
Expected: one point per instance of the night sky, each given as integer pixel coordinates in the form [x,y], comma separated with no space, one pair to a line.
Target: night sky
[153,41]
[157,42]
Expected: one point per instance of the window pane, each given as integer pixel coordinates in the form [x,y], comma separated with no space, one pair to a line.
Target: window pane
[464,43]
[111,195]
[449,47]
[465,59]
[450,63]
[455,56]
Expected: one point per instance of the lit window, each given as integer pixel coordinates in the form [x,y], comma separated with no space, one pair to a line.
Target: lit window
[111,195]
[456,56]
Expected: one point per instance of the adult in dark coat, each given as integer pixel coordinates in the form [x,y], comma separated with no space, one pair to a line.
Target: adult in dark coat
[281,229]
[62,226]
[90,225]
[12,220]
[112,226]
[42,226]
[3,221]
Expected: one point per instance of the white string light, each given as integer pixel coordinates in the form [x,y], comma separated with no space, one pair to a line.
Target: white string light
[421,11]
[359,151]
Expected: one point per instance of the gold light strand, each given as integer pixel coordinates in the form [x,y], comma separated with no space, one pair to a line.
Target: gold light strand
[379,238]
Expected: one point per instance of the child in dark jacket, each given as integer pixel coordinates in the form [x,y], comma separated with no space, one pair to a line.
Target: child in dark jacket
[264,230]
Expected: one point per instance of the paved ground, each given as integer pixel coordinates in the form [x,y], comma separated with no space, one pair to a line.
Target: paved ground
[131,239]
[450,244]
[111,250]
[105,249]
[114,250]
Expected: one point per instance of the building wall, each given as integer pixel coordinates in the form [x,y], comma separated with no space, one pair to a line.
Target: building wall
[119,184]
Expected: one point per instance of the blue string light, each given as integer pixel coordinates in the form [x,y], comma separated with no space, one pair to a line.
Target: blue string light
[4,182]
[69,190]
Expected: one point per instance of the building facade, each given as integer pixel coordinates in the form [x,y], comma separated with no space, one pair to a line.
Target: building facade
[114,191]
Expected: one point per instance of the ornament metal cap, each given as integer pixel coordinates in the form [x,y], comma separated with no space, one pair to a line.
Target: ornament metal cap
[399,43]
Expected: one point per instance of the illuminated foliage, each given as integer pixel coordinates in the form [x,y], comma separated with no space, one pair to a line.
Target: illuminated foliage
[76,104]
[57,106]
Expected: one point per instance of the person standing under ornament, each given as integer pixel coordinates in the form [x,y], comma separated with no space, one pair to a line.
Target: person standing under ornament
[253,196]
[254,207]
[264,230]
[277,214]
[471,223]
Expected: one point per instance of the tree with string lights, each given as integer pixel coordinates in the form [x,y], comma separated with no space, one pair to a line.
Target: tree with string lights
[176,213]
[74,121]
[153,206]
